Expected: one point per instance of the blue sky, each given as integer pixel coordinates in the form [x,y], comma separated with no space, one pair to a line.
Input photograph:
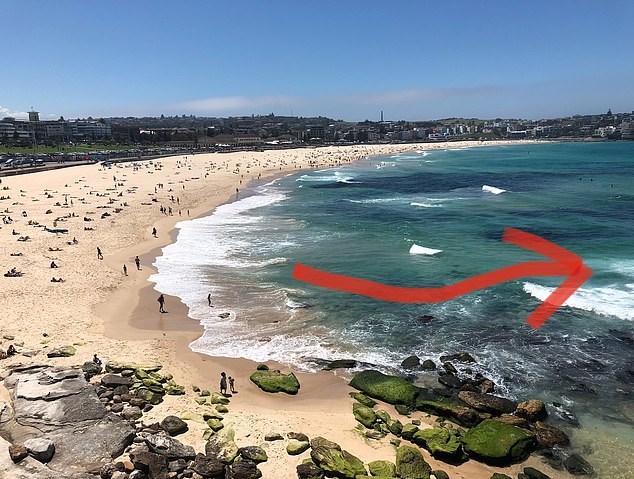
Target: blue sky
[345,59]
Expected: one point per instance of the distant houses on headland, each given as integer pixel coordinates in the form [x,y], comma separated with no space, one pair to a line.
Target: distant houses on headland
[272,130]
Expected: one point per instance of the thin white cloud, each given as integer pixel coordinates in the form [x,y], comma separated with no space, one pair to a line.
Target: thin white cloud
[244,104]
[4,112]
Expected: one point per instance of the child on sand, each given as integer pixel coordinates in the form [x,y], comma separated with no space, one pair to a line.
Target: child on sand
[232,385]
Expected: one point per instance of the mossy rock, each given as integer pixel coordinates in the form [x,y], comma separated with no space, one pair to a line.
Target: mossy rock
[535,473]
[443,444]
[337,462]
[440,474]
[295,447]
[62,352]
[174,389]
[217,398]
[253,454]
[222,408]
[149,396]
[382,468]
[383,416]
[140,374]
[448,409]
[204,393]
[497,443]
[223,446]
[153,386]
[215,424]
[395,442]
[201,401]
[207,433]
[390,389]
[127,373]
[395,427]
[118,366]
[364,415]
[262,367]
[195,388]
[403,410]
[410,464]
[272,381]
[363,399]
[212,414]
[159,378]
[497,475]
[192,416]
[408,431]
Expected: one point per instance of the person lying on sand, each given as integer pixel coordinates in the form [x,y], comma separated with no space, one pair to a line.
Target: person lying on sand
[54,249]
[53,265]
[13,273]
[24,238]
[60,280]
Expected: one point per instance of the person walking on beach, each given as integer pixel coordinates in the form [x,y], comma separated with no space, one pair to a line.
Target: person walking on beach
[209,299]
[161,301]
[154,232]
[125,270]
[232,383]
[99,255]
[137,261]
[223,383]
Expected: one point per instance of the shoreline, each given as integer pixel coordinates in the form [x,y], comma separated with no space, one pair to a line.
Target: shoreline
[125,323]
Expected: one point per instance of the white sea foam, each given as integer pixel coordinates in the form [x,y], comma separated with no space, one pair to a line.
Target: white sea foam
[338,177]
[416,249]
[425,205]
[607,301]
[493,189]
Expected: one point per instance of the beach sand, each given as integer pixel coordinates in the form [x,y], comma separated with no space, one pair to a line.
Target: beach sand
[100,310]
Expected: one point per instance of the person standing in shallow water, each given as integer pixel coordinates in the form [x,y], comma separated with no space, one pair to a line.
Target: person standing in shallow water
[223,383]
[161,301]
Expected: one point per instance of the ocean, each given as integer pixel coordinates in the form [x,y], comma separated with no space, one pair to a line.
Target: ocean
[430,219]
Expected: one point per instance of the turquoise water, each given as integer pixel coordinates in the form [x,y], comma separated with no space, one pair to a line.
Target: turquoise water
[363,220]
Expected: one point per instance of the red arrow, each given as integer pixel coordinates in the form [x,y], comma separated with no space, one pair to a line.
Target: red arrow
[565,263]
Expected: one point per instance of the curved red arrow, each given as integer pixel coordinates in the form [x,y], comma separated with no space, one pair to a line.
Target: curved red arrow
[565,263]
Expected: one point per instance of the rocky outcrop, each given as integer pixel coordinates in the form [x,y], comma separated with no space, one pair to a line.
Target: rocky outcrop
[487,402]
[391,389]
[550,436]
[497,443]
[410,464]
[273,381]
[60,405]
[336,462]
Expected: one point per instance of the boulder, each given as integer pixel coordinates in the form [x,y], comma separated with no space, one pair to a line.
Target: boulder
[514,420]
[410,464]
[450,368]
[273,381]
[309,471]
[62,352]
[169,447]
[253,454]
[497,475]
[533,473]
[273,436]
[173,425]
[497,443]
[208,466]
[390,389]
[449,380]
[443,444]
[447,408]
[402,409]
[487,386]
[487,402]
[149,396]
[533,410]
[90,369]
[40,448]
[395,427]
[550,436]
[243,470]
[411,362]
[334,461]
[340,364]
[428,365]
[221,408]
[408,431]
[460,357]
[363,399]
[215,424]
[295,447]
[222,445]
[578,466]
[113,380]
[131,413]
[440,474]
[364,415]
[217,398]
[17,452]
[382,468]
[298,435]
[151,464]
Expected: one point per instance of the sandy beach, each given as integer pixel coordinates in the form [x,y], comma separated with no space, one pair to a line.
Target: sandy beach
[100,310]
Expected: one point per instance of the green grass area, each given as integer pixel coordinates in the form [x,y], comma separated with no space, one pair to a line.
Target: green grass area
[64,149]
